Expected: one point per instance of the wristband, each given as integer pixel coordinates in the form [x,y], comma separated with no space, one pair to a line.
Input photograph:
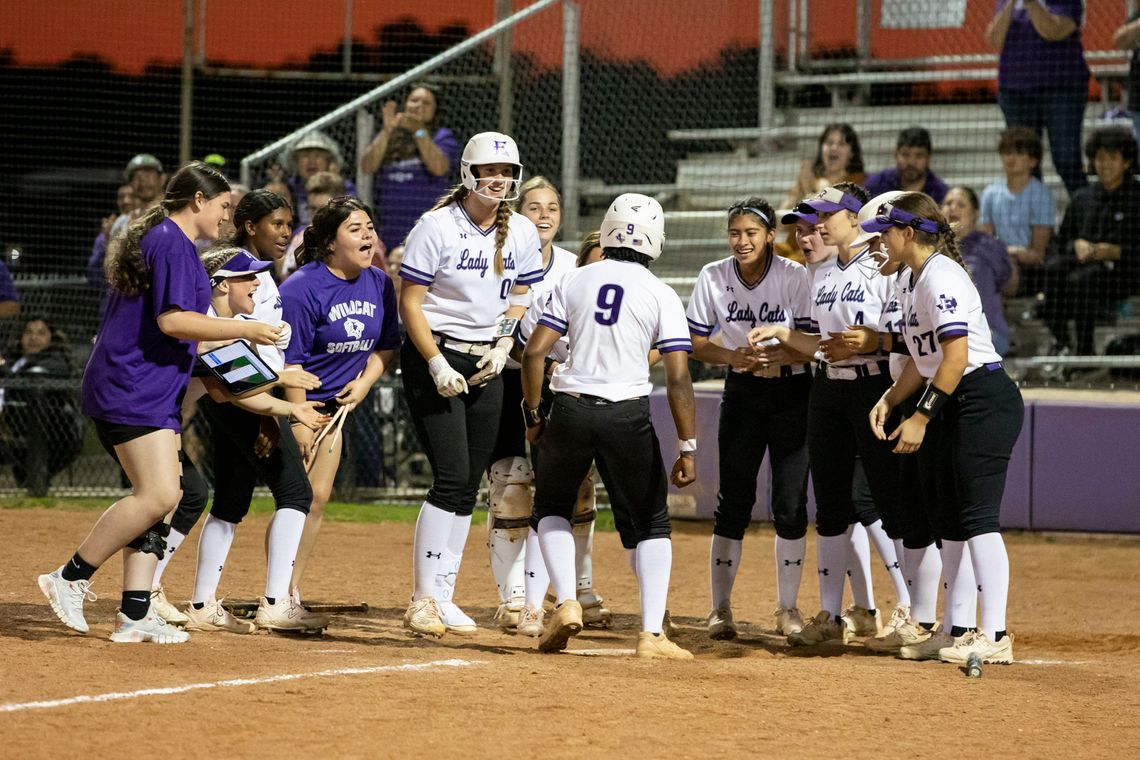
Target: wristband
[898,345]
[687,446]
[932,401]
[421,132]
[505,328]
[532,417]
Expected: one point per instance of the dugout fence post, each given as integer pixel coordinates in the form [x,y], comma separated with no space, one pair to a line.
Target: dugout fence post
[767,60]
[571,116]
[186,107]
[365,130]
[502,67]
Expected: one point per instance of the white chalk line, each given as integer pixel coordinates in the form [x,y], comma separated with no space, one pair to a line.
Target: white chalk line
[232,682]
[603,652]
[1055,662]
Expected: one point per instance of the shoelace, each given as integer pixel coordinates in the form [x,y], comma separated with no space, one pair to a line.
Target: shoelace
[85,593]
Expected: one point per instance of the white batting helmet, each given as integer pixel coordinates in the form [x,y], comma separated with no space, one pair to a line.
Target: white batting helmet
[490,148]
[873,263]
[636,222]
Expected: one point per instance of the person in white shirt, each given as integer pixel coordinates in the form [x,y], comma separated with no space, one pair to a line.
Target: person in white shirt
[613,312]
[953,361]
[763,410]
[467,270]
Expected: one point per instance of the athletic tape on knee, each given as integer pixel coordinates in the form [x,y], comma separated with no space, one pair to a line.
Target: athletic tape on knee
[153,541]
[510,496]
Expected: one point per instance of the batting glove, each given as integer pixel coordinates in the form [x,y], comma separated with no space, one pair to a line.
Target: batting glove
[283,338]
[447,381]
[492,362]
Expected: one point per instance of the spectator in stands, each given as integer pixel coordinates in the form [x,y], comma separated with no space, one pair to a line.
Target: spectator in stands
[9,295]
[911,174]
[1127,37]
[313,153]
[413,158]
[392,265]
[42,428]
[989,261]
[125,204]
[145,178]
[1043,80]
[321,188]
[1094,261]
[1019,211]
[838,158]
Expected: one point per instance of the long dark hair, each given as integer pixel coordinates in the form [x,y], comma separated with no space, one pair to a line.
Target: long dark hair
[319,236]
[255,206]
[855,164]
[125,267]
[402,145]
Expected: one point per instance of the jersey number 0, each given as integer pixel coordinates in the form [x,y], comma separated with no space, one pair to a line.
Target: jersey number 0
[609,304]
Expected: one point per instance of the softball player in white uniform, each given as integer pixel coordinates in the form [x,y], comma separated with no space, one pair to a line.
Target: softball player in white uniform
[613,312]
[511,473]
[761,410]
[979,407]
[467,270]
[840,392]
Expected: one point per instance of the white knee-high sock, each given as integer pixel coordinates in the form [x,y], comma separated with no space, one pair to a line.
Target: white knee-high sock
[991,568]
[724,561]
[213,548]
[507,552]
[654,563]
[923,569]
[557,541]
[789,569]
[447,571]
[281,544]
[584,555]
[433,529]
[537,579]
[834,553]
[961,588]
[173,541]
[885,546]
[859,567]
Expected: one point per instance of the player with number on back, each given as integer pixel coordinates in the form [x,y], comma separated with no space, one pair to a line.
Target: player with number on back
[613,312]
[840,395]
[467,271]
[980,410]
[762,409]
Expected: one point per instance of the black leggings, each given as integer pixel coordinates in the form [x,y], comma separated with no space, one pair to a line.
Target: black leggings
[838,430]
[456,433]
[237,467]
[619,436]
[756,415]
[979,426]
[511,440]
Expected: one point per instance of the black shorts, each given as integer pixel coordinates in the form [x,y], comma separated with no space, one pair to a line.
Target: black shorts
[112,434]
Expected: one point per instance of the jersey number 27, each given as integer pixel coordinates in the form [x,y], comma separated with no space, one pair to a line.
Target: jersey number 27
[609,304]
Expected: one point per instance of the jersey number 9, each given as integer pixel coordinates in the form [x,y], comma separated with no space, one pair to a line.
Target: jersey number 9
[609,304]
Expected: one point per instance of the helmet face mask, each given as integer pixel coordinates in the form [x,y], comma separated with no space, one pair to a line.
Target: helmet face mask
[490,148]
[636,222]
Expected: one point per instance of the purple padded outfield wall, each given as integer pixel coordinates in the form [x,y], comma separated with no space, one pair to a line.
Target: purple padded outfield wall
[1076,465]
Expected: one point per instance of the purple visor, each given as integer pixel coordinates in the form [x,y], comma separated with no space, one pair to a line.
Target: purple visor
[240,265]
[888,216]
[793,215]
[829,200]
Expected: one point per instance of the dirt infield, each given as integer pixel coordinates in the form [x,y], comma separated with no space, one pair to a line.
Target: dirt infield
[365,689]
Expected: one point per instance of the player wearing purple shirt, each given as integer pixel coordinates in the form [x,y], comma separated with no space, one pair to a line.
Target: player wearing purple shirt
[342,311]
[133,387]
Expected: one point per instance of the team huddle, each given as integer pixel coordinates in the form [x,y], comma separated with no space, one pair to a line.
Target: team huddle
[871,366]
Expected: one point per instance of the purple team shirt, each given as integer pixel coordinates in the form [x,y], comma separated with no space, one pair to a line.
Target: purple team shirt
[888,180]
[8,290]
[1029,61]
[406,189]
[987,258]
[137,374]
[337,324]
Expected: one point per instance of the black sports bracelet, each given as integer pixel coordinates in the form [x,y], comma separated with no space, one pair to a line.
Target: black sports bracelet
[932,401]
[532,417]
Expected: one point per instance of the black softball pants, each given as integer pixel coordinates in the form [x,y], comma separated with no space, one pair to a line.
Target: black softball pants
[619,437]
[237,467]
[760,414]
[838,431]
[979,426]
[511,440]
[458,433]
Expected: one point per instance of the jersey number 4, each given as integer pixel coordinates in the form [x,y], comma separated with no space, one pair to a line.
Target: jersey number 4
[609,304]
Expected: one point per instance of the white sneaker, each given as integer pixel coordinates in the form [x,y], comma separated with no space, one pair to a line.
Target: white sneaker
[422,617]
[658,646]
[860,622]
[900,616]
[67,598]
[929,649]
[594,613]
[531,622]
[455,620]
[976,642]
[905,634]
[151,628]
[288,617]
[722,626]
[789,620]
[167,611]
[507,615]
[819,630]
[214,617]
